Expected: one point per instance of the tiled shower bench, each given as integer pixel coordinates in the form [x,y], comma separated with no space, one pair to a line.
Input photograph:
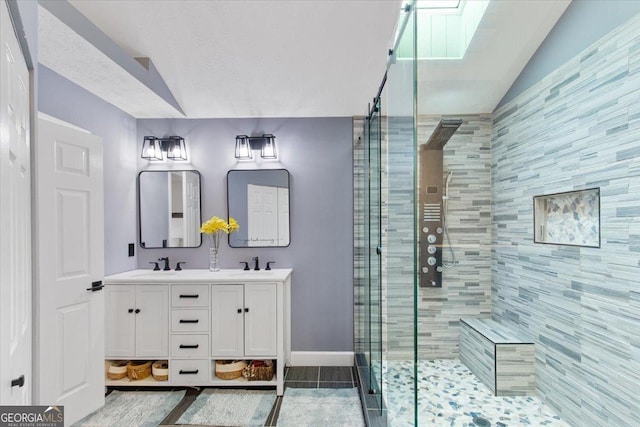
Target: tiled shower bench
[500,358]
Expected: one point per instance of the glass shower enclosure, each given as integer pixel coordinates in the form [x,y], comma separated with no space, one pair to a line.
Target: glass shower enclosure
[384,239]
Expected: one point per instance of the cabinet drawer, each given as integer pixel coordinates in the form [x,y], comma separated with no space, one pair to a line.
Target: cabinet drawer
[189,371]
[190,295]
[189,345]
[190,320]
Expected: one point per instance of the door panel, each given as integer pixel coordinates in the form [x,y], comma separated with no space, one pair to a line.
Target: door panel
[74,349]
[152,322]
[15,219]
[226,322]
[73,210]
[260,320]
[120,323]
[69,220]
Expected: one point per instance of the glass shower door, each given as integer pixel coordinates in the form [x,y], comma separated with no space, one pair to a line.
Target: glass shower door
[374,251]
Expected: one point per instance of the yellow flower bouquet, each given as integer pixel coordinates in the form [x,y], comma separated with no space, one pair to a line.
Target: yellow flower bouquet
[214,228]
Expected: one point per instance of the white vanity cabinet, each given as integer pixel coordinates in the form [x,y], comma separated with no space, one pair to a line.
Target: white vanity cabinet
[244,321]
[191,318]
[137,321]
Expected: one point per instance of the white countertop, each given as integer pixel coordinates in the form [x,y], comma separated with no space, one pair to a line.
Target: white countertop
[198,276]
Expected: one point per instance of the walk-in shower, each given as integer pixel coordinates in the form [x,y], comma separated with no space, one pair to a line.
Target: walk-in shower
[422,204]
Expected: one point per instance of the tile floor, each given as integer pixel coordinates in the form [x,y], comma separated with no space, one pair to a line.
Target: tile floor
[451,395]
[295,377]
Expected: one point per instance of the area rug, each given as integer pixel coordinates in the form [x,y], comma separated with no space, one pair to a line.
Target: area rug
[321,407]
[229,408]
[133,408]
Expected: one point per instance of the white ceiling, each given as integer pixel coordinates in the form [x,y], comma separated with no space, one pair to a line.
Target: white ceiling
[286,58]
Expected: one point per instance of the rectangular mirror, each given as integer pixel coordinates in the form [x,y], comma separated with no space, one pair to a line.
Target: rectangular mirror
[259,201]
[169,209]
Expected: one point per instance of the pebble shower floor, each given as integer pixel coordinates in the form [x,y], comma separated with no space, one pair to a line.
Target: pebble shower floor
[451,395]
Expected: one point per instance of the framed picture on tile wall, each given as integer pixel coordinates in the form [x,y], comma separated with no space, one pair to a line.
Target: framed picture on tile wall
[569,218]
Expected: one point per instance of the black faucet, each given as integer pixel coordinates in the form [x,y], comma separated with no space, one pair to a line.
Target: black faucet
[257,265]
[269,265]
[166,263]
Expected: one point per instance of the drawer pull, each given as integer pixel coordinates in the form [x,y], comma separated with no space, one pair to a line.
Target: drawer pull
[189,345]
[189,296]
[189,372]
[189,320]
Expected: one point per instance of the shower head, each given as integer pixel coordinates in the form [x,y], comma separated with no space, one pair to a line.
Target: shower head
[442,133]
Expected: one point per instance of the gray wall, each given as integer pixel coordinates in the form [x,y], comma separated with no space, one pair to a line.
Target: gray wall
[583,23]
[65,100]
[317,154]
[577,128]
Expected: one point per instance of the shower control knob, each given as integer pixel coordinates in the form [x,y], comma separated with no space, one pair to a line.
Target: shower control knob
[431,249]
[431,260]
[425,269]
[431,238]
[439,269]
[425,229]
[439,230]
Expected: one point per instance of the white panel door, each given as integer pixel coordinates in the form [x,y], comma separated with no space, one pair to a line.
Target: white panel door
[152,321]
[227,321]
[260,320]
[191,194]
[15,220]
[283,217]
[262,224]
[70,258]
[120,325]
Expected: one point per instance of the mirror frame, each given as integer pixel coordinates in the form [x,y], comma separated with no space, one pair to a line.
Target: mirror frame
[229,211]
[138,190]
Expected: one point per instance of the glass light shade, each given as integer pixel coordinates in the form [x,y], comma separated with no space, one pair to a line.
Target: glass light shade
[269,147]
[243,148]
[176,149]
[151,148]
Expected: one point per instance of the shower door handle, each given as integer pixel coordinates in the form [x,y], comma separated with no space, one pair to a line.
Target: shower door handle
[378,250]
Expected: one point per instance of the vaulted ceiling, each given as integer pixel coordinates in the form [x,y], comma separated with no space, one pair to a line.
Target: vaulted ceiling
[274,58]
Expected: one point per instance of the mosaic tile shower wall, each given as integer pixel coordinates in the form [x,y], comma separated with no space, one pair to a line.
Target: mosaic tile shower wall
[466,290]
[578,128]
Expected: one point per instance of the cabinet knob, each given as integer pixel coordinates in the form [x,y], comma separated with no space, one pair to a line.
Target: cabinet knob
[239,310]
[246,310]
[188,372]
[131,310]
[137,310]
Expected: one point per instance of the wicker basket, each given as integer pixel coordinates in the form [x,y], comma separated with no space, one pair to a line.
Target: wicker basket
[138,370]
[230,369]
[117,370]
[160,370]
[259,370]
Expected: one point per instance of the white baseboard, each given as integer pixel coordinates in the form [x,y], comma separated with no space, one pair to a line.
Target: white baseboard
[322,358]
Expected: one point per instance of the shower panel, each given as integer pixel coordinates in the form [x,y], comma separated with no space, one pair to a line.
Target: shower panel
[431,215]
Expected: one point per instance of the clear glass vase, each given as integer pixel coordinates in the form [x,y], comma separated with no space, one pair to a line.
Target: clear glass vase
[214,261]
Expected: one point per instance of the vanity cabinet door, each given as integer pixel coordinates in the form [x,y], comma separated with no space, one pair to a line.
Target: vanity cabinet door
[120,323]
[260,320]
[227,312]
[152,321]
[137,321]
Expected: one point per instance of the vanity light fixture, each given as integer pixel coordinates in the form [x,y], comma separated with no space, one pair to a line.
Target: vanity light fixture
[265,143]
[174,146]
[243,148]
